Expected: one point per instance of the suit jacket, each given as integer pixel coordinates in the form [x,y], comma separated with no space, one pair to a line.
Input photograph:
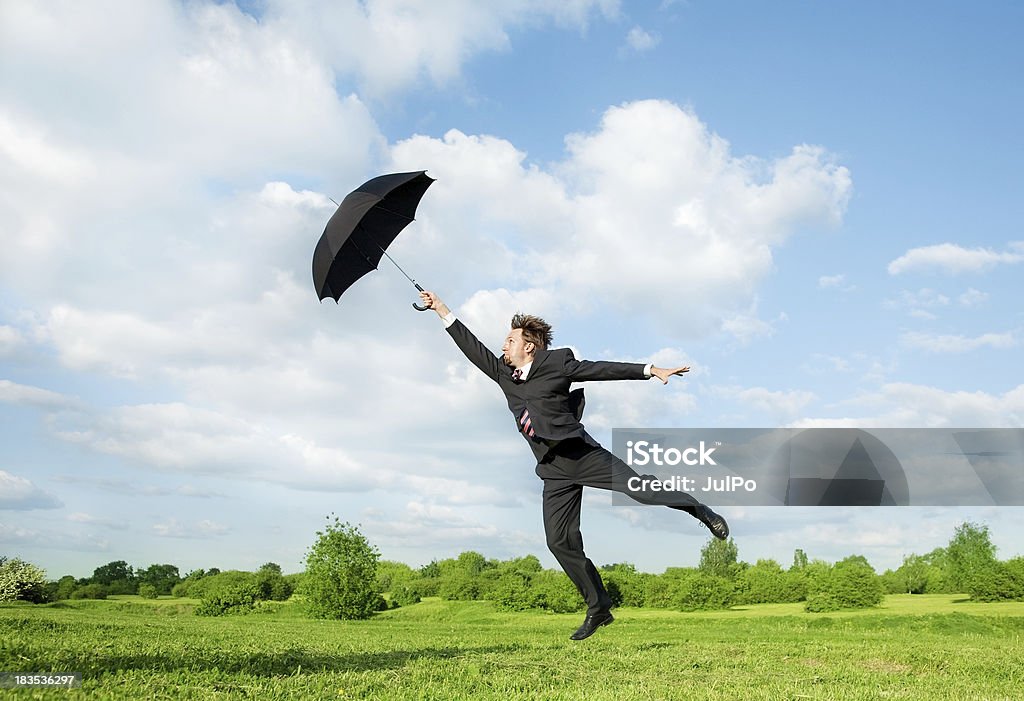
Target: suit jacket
[555,412]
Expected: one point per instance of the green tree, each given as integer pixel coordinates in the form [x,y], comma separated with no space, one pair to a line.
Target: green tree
[464,578]
[64,587]
[718,558]
[272,584]
[471,563]
[341,574]
[799,559]
[391,574]
[913,574]
[116,576]
[161,577]
[971,558]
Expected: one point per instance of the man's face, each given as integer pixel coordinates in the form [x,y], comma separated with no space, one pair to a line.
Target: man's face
[517,352]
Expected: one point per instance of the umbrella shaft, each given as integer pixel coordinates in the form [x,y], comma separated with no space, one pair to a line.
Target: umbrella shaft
[399,267]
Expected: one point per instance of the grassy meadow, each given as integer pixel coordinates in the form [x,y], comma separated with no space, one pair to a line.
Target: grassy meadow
[913,647]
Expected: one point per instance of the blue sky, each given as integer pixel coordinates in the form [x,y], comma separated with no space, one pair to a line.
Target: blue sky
[816,207]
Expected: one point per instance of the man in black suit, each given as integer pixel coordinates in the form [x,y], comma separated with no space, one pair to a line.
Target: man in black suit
[536,384]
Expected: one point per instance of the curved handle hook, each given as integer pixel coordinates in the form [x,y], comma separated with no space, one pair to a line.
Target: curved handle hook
[416,306]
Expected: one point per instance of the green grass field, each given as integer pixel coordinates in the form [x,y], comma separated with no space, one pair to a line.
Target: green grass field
[914,647]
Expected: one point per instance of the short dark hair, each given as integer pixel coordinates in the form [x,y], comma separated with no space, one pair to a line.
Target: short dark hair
[535,330]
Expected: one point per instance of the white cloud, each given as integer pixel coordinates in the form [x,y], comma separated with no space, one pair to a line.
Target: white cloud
[778,403]
[75,540]
[639,39]
[19,494]
[952,258]
[89,519]
[11,340]
[133,488]
[651,200]
[427,525]
[28,395]
[746,327]
[972,298]
[907,405]
[202,529]
[946,343]
[26,147]
[392,44]
[827,281]
[820,363]
[918,303]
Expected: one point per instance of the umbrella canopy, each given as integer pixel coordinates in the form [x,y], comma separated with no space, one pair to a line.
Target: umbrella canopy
[365,224]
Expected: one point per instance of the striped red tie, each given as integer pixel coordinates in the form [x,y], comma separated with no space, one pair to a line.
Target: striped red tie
[524,422]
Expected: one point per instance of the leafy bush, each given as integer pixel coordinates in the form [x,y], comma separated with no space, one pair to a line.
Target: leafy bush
[391,574]
[182,590]
[1015,573]
[459,586]
[273,586]
[702,592]
[766,582]
[341,574]
[997,581]
[849,584]
[231,598]
[404,595]
[658,591]
[163,577]
[624,584]
[236,592]
[147,591]
[186,587]
[62,588]
[514,593]
[555,592]
[90,591]
[20,580]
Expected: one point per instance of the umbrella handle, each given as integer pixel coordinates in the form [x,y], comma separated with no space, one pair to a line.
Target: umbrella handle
[416,306]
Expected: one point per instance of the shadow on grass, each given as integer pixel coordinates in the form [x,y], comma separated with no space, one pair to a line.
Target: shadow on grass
[287,662]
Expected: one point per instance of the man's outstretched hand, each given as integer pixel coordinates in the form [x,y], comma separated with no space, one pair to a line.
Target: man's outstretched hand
[432,301]
[664,373]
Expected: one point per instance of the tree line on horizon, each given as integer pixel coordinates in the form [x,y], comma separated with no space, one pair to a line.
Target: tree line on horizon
[345,578]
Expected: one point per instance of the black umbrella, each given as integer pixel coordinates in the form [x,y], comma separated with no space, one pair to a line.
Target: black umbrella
[366,223]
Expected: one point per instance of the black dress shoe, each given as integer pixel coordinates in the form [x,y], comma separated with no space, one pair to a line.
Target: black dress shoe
[715,523]
[591,624]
